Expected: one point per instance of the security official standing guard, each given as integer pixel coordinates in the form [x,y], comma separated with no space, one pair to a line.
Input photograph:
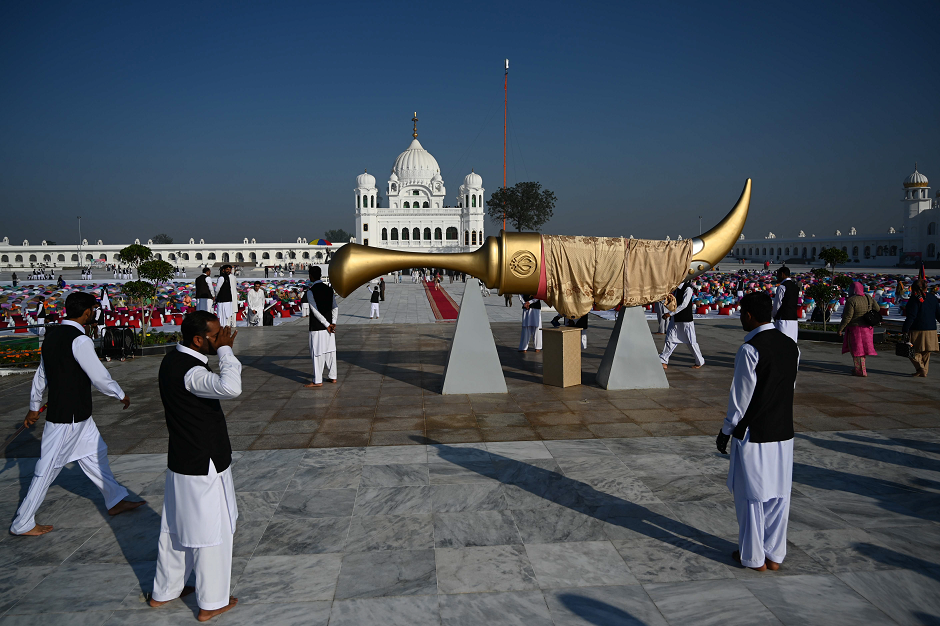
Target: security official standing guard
[203,291]
[786,319]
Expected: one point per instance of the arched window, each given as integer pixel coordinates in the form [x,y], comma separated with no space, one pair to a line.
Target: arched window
[265,256]
[814,252]
[438,234]
[415,193]
[384,234]
[61,258]
[358,202]
[277,256]
[466,200]
[46,258]
[867,252]
[32,257]
[404,234]
[879,251]
[854,250]
[427,234]
[225,258]
[19,258]
[474,200]
[894,250]
[394,234]
[451,233]
[171,257]
[932,228]
[416,234]
[426,205]
[750,251]
[305,255]
[931,251]
[158,256]
[765,251]
[804,253]
[199,256]
[186,256]
[406,205]
[473,237]
[394,187]
[239,257]
[466,237]
[846,250]
[778,251]
[371,202]
[6,259]
[254,257]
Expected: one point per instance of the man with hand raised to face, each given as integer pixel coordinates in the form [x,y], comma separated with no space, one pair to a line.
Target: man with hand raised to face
[68,368]
[759,426]
[199,510]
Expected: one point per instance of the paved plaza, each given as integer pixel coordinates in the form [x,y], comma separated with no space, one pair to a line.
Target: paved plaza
[379,501]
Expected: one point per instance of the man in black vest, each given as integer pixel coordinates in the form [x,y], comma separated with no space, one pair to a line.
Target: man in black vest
[69,367]
[203,291]
[322,323]
[374,304]
[682,327]
[199,510]
[786,318]
[226,296]
[759,425]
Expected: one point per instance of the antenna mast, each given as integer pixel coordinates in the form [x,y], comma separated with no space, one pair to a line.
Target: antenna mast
[505,117]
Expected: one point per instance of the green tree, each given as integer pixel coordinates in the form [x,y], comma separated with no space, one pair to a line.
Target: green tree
[843,282]
[820,272]
[822,294]
[834,256]
[337,235]
[525,205]
[162,238]
[134,255]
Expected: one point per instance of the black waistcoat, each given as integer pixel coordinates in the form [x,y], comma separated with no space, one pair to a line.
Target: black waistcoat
[788,307]
[685,315]
[374,299]
[225,291]
[196,425]
[202,287]
[68,384]
[769,415]
[323,300]
[534,305]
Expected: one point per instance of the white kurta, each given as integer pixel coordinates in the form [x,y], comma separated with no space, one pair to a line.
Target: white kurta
[226,310]
[200,512]
[531,325]
[760,475]
[77,441]
[322,342]
[790,328]
[256,305]
[681,332]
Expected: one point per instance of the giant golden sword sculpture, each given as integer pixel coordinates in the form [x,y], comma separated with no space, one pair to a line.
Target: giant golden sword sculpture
[511,261]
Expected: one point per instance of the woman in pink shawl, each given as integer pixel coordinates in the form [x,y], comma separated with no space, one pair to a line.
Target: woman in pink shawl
[858,337]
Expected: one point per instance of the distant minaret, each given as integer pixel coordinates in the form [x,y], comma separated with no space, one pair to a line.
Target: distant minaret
[415,120]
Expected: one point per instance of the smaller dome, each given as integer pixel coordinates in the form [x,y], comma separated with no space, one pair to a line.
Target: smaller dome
[472,180]
[365,180]
[916,179]
[437,177]
[393,178]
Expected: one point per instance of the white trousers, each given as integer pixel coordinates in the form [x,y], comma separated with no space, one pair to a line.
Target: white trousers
[762,528]
[527,332]
[304,309]
[204,304]
[96,468]
[374,310]
[325,359]
[213,567]
[681,334]
[226,312]
[790,328]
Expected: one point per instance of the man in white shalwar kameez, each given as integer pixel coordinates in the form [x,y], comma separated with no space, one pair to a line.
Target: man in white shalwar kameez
[759,425]
[256,298]
[226,297]
[531,322]
[68,368]
[786,318]
[322,325]
[659,308]
[199,508]
[681,328]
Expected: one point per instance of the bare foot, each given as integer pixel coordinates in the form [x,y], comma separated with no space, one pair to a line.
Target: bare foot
[185,592]
[665,367]
[205,616]
[124,506]
[333,380]
[773,567]
[695,367]
[37,530]
[311,385]
[538,350]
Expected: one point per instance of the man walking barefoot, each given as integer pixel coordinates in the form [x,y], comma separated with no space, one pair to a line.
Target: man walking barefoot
[68,368]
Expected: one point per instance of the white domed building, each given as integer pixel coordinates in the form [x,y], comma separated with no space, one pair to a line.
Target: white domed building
[416,216]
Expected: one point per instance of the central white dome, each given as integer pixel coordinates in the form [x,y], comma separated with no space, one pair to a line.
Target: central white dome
[415,164]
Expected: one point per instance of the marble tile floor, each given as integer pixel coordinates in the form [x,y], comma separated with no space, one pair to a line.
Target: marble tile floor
[587,532]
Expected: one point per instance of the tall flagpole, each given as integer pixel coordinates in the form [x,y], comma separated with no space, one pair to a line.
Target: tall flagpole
[505,117]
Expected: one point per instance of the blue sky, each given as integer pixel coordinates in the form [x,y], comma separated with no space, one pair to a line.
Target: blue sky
[229,120]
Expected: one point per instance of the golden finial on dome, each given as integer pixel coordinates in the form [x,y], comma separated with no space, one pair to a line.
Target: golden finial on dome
[415,120]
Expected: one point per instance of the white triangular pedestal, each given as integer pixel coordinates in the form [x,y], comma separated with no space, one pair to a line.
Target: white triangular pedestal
[473,364]
[631,360]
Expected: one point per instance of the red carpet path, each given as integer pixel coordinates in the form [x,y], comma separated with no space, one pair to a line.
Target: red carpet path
[443,306]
